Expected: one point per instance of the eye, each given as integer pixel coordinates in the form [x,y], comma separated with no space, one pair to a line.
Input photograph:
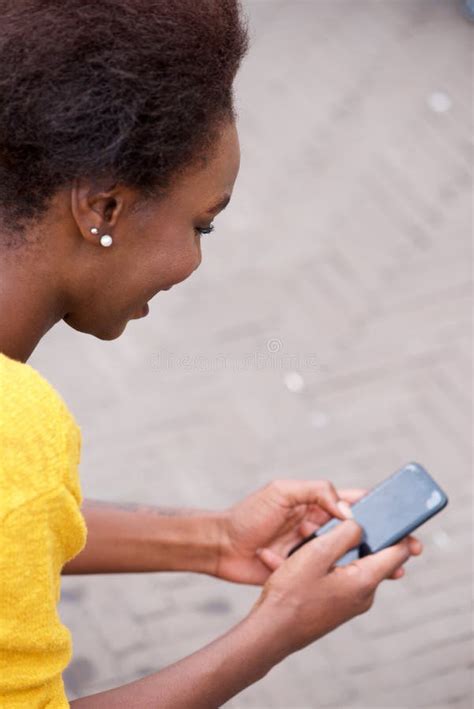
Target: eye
[204,230]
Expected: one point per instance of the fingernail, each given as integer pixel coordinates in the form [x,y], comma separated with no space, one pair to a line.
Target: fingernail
[345,509]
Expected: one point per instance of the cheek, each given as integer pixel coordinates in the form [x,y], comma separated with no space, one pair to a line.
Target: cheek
[169,266]
[181,263]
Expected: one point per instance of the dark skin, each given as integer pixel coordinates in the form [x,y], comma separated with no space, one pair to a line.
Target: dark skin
[64,273]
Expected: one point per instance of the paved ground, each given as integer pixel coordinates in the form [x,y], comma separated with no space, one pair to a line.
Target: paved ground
[327,333]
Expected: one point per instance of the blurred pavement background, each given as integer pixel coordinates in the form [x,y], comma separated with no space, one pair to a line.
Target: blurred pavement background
[326,334]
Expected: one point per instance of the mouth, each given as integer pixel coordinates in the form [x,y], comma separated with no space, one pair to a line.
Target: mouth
[145,309]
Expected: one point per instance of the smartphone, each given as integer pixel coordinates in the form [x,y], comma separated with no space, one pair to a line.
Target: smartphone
[390,511]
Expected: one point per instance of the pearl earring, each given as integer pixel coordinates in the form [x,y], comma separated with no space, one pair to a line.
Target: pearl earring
[106,240]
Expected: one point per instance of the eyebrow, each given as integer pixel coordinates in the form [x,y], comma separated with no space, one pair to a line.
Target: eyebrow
[220,205]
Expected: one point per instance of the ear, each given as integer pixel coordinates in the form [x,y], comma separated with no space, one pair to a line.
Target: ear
[96,207]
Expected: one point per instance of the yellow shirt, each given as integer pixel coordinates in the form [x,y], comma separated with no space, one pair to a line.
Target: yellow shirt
[41,528]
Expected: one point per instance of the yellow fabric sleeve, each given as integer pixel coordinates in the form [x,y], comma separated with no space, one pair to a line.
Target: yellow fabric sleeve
[41,528]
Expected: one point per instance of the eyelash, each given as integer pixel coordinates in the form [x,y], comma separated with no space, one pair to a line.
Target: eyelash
[203,231]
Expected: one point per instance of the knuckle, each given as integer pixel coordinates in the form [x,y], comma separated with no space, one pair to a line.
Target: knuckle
[360,588]
[277,485]
[326,487]
[367,603]
[404,551]
[272,485]
[353,531]
[319,546]
[278,488]
[366,582]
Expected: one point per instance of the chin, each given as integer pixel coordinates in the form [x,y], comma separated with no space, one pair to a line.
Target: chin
[102,331]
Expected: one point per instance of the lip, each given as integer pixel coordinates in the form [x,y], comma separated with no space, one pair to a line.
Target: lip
[145,309]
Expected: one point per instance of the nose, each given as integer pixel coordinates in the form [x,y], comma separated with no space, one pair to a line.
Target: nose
[199,254]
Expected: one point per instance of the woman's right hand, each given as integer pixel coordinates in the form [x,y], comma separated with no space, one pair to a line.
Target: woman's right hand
[307,596]
[302,600]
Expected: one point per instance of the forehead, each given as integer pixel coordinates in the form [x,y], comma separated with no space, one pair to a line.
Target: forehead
[214,177]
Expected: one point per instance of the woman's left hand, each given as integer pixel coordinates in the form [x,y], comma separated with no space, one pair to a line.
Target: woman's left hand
[259,532]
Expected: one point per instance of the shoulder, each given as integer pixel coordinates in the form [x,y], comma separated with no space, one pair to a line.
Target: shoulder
[27,397]
[39,438]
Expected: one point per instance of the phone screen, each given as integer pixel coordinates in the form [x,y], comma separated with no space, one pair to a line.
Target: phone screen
[393,509]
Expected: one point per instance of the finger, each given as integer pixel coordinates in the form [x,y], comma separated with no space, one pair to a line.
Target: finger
[307,528]
[329,547]
[345,509]
[397,574]
[352,495]
[416,547]
[383,564]
[316,515]
[319,516]
[271,559]
[310,492]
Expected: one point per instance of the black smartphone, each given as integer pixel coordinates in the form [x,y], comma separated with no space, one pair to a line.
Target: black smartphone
[390,511]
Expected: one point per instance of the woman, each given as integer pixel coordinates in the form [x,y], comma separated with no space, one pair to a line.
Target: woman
[118,148]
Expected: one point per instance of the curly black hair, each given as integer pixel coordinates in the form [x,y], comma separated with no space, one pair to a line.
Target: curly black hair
[133,90]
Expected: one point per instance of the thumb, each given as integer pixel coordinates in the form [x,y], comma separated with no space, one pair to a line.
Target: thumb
[307,528]
[271,559]
[329,547]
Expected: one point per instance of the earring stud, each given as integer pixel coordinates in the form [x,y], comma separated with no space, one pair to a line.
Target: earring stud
[94,230]
[106,240]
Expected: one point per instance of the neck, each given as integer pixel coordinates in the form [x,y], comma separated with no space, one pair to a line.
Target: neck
[29,303]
